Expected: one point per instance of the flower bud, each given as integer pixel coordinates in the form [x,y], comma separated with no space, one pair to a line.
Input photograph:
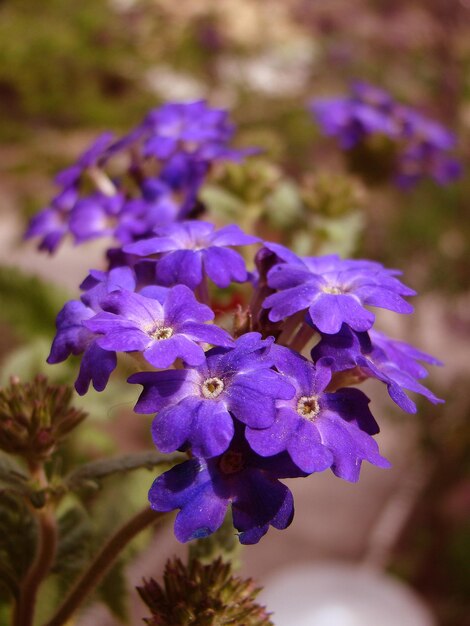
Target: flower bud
[202,595]
[35,417]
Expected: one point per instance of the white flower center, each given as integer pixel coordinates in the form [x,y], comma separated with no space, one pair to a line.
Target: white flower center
[332,289]
[161,332]
[212,388]
[308,407]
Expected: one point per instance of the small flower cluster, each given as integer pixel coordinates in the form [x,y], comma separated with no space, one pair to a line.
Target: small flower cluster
[150,178]
[273,399]
[422,145]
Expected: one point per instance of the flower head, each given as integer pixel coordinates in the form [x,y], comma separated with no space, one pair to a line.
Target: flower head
[194,406]
[319,429]
[189,249]
[162,331]
[335,292]
[203,489]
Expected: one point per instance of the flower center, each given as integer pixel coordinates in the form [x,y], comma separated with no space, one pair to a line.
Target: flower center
[332,289]
[212,388]
[308,407]
[161,332]
[231,462]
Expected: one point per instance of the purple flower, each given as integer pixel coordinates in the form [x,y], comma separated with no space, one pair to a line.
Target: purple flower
[351,121]
[319,429]
[334,291]
[192,127]
[194,405]
[94,216]
[162,331]
[94,154]
[355,351]
[422,145]
[203,489]
[73,337]
[191,249]
[405,356]
[52,222]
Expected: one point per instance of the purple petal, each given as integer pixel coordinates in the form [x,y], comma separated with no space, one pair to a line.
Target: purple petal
[96,367]
[223,266]
[163,388]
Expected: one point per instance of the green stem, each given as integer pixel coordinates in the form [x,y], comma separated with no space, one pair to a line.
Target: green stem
[102,563]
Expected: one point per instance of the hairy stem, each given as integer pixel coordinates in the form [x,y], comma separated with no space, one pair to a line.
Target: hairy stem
[46,548]
[102,563]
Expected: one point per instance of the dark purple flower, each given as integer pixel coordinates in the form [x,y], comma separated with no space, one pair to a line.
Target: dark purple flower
[203,489]
[319,429]
[334,291]
[73,337]
[162,331]
[354,351]
[194,405]
[188,250]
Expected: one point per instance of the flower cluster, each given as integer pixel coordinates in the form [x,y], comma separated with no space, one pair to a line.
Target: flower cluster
[422,145]
[275,398]
[150,178]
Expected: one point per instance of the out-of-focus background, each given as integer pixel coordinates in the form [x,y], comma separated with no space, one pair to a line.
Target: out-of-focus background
[69,70]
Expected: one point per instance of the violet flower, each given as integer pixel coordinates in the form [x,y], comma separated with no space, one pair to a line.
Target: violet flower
[73,337]
[162,331]
[189,250]
[203,490]
[397,370]
[335,292]
[319,429]
[194,405]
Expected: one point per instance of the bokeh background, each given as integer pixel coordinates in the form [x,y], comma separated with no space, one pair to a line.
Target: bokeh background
[69,70]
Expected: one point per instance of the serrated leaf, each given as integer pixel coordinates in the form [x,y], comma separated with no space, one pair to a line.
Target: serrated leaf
[97,470]
[23,296]
[113,591]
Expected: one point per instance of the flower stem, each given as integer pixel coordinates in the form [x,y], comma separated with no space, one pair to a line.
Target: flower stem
[102,563]
[47,542]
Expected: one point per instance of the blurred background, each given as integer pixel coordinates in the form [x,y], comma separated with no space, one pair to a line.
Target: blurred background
[69,70]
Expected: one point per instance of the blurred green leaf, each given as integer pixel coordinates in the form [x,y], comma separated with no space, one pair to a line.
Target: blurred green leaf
[29,305]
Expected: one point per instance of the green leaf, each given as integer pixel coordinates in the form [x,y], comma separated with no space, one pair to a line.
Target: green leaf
[12,477]
[74,545]
[18,536]
[29,305]
[87,475]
